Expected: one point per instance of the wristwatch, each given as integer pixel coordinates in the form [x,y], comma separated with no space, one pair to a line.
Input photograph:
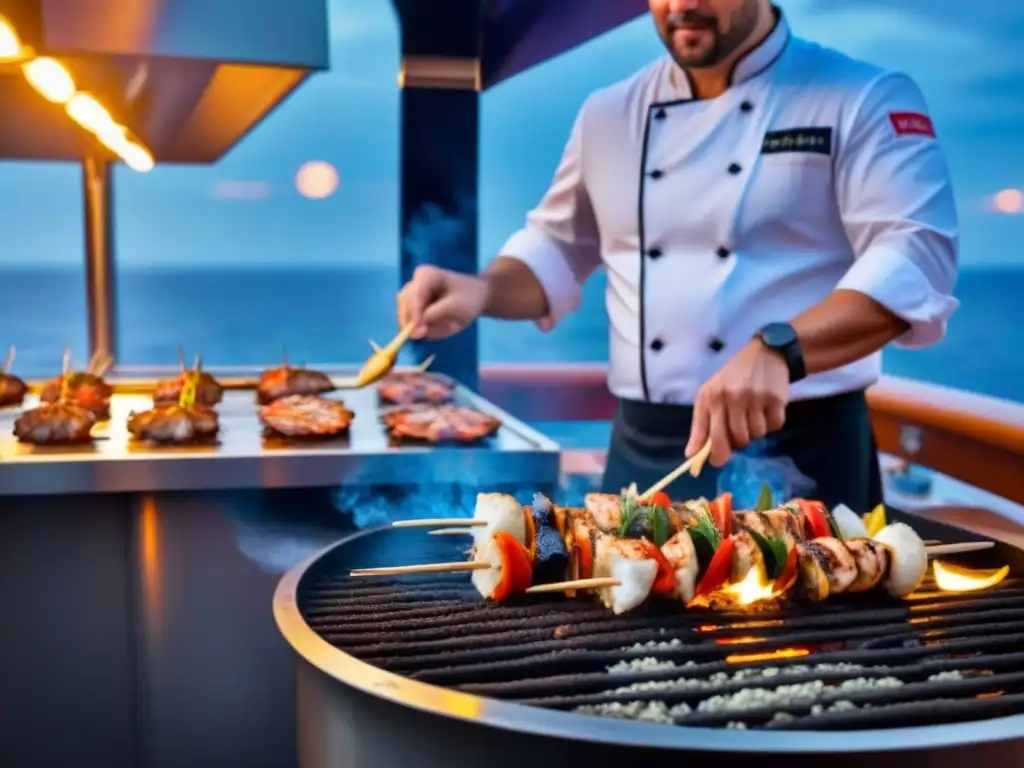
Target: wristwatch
[782,339]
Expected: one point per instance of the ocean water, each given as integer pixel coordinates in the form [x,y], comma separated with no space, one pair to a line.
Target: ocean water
[238,317]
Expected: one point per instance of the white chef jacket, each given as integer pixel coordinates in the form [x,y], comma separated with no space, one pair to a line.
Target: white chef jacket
[713,218]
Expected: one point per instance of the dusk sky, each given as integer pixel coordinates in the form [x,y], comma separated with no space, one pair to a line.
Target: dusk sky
[246,209]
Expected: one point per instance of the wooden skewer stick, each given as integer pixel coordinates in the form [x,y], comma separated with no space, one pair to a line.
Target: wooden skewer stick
[562,586]
[432,522]
[451,532]
[693,465]
[198,365]
[402,570]
[375,346]
[955,549]
[422,367]
[8,362]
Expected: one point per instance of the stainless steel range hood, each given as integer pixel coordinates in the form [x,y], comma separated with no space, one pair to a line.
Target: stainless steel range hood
[188,77]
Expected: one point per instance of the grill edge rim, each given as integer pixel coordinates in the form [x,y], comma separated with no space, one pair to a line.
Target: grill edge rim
[446,702]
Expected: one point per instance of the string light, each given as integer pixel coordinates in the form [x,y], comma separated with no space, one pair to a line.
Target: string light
[51,79]
[10,43]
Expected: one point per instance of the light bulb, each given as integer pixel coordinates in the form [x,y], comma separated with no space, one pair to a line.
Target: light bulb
[10,43]
[136,157]
[89,113]
[51,79]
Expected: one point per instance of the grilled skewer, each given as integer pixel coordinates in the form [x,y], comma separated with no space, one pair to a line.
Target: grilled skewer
[306,417]
[705,553]
[12,389]
[439,423]
[85,389]
[285,380]
[61,422]
[209,392]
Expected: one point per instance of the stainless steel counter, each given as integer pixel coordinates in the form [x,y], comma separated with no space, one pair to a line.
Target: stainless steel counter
[244,459]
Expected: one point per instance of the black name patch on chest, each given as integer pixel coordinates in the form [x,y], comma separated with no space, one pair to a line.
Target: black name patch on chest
[817,141]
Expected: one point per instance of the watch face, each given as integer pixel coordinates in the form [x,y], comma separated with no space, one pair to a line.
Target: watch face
[778,335]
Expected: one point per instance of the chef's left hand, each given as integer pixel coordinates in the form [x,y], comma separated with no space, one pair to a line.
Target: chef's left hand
[741,403]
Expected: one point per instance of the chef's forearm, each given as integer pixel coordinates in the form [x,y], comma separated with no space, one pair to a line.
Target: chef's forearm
[515,291]
[845,327]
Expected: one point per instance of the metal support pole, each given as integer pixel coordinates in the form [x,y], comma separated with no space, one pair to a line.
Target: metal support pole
[100,283]
[439,188]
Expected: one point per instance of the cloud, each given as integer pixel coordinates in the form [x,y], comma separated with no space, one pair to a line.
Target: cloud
[234,189]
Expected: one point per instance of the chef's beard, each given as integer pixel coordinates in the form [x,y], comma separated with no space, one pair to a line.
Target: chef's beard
[741,25]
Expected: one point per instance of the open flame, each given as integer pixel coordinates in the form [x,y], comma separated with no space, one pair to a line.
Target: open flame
[956,578]
[781,653]
[754,588]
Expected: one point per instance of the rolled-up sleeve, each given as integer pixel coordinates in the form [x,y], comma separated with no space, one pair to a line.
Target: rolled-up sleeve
[897,206]
[560,241]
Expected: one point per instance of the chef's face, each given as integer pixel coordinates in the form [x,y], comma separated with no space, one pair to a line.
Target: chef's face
[702,33]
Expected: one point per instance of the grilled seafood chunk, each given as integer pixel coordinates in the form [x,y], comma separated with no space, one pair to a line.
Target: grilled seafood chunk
[439,423]
[55,424]
[284,381]
[682,557]
[747,557]
[174,424]
[872,561]
[306,416]
[208,391]
[12,390]
[407,388]
[627,561]
[836,562]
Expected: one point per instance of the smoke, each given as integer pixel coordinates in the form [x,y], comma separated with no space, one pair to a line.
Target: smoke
[746,473]
[440,238]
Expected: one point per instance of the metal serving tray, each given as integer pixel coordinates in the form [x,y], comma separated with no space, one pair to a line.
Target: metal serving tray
[245,459]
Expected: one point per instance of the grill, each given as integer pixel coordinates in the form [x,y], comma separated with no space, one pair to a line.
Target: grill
[847,677]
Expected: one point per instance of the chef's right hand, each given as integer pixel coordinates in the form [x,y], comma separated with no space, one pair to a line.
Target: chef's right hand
[441,302]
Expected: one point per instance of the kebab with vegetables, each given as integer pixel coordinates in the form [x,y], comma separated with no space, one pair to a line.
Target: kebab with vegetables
[306,417]
[184,422]
[62,422]
[12,389]
[209,392]
[439,424]
[705,548]
[85,389]
[286,380]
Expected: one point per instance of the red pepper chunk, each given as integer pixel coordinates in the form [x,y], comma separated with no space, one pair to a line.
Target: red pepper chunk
[584,557]
[815,519]
[718,570]
[516,570]
[721,512]
[660,499]
[665,579]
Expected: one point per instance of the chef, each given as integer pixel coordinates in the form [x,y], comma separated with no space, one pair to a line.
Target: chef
[771,213]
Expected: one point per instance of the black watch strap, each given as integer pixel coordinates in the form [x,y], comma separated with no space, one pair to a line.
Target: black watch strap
[782,339]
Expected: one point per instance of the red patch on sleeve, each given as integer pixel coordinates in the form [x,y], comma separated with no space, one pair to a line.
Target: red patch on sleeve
[911,124]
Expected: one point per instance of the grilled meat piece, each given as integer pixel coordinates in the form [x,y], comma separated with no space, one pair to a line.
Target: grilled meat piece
[208,391]
[306,416]
[439,424]
[86,390]
[55,424]
[407,388]
[12,390]
[284,381]
[173,424]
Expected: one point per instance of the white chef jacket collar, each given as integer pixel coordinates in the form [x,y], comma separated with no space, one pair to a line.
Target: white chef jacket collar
[751,64]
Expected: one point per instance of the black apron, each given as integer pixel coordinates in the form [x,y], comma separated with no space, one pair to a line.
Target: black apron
[829,440]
